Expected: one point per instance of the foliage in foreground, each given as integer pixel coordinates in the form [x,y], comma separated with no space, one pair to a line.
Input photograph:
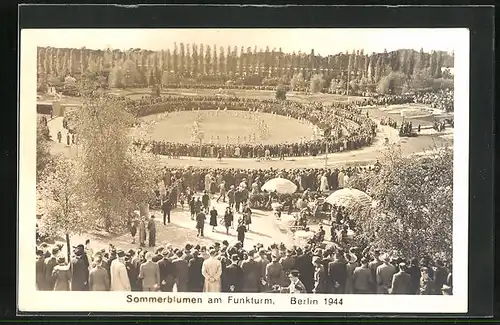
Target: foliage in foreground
[107,179]
[43,156]
[414,214]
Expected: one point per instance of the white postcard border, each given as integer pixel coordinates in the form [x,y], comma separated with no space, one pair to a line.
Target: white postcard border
[31,300]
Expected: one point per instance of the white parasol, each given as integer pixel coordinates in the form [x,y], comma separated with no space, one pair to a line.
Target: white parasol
[349,198]
[280,185]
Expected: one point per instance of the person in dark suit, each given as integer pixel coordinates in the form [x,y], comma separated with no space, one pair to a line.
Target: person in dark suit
[213,218]
[166,208]
[440,276]
[79,270]
[40,271]
[414,272]
[241,230]
[181,272]
[132,270]
[402,282]
[99,277]
[50,263]
[205,201]
[233,276]
[196,279]
[337,274]
[152,231]
[167,272]
[304,265]
[251,273]
[228,219]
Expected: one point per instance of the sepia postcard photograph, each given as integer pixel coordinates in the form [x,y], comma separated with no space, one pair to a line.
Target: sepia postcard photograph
[243,170]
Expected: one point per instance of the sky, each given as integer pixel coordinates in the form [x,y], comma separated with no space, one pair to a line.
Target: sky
[323,41]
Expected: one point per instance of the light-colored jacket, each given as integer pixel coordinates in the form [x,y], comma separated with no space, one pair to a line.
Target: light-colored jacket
[98,279]
[149,272]
[119,276]
[212,271]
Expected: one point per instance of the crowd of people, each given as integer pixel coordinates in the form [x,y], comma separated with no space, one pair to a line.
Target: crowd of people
[346,129]
[236,86]
[226,267]
[442,99]
[220,180]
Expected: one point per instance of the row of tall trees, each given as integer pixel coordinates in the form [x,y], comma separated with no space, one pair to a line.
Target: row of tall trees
[212,62]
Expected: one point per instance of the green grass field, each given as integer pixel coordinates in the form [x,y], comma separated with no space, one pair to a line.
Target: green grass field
[218,126]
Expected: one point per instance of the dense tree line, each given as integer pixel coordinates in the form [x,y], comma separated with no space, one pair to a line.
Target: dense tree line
[213,64]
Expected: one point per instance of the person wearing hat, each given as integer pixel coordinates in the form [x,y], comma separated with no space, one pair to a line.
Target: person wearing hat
[262,261]
[98,277]
[45,249]
[152,231]
[149,273]
[384,275]
[247,216]
[228,219]
[212,271]
[192,207]
[440,275]
[401,281]
[425,282]
[304,265]
[274,272]
[167,272]
[296,286]
[50,263]
[134,223]
[337,273]
[213,218]
[200,223]
[319,276]
[373,265]
[233,276]
[363,281]
[166,207]
[40,271]
[288,262]
[350,267]
[205,201]
[132,269]
[187,256]
[241,230]
[230,196]
[61,274]
[414,272]
[181,271]
[195,279]
[251,273]
[222,192]
[79,270]
[118,273]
